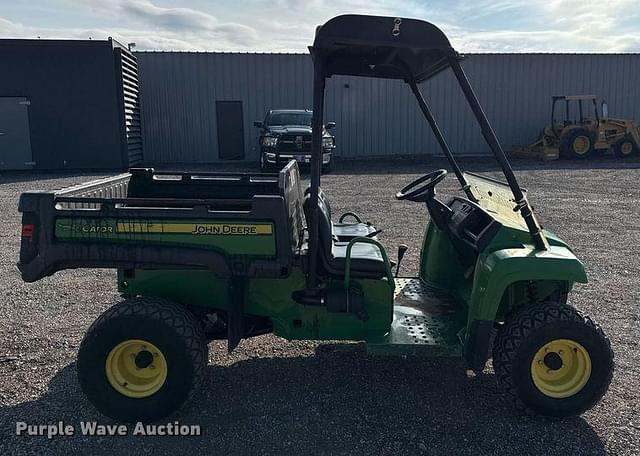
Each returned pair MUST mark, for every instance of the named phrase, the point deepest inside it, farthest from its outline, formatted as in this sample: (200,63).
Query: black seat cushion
(365,258)
(347,231)
(341,232)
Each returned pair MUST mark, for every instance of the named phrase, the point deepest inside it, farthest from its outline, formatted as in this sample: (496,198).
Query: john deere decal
(196,228)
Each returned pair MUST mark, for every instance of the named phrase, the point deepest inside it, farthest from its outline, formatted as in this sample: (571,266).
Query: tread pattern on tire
(617,147)
(519,326)
(174,315)
(566,143)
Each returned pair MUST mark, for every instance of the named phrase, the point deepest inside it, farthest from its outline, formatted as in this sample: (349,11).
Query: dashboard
(471,224)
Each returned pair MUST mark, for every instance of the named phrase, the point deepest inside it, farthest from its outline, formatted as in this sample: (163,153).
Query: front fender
(494,273)
(497,270)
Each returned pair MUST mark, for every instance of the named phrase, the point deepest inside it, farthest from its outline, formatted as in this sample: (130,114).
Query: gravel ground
(277,397)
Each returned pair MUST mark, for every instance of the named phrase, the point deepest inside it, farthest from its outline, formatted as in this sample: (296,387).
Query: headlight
(327,142)
(269,141)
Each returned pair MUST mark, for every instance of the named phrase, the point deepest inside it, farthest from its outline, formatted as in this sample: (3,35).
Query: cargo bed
(240,224)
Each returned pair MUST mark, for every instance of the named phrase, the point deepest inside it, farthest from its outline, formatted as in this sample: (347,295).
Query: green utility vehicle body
(209,255)
(254,263)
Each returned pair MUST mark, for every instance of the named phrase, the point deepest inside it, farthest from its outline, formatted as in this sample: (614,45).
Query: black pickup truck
(285,134)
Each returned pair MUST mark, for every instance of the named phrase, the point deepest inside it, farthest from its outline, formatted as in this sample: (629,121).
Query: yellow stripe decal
(225,229)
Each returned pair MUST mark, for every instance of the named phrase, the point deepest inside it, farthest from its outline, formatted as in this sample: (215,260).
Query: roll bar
(395,48)
(567,116)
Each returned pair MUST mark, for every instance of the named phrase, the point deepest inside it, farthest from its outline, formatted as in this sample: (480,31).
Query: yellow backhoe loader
(580,138)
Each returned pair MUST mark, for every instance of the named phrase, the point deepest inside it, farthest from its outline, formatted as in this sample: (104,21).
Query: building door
(230,130)
(15,141)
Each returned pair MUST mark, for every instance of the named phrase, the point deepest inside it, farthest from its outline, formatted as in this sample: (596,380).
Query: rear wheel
(552,360)
(625,148)
(142,359)
(577,143)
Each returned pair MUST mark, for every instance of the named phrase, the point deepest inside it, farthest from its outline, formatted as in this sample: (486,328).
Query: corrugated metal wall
(132,125)
(76,118)
(374,117)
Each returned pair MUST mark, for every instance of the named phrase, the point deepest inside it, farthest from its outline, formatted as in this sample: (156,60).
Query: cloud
(545,26)
(169,18)
(289,25)
(187,21)
(150,27)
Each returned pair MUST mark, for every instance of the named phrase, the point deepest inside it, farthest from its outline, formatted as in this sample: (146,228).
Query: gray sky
(288,25)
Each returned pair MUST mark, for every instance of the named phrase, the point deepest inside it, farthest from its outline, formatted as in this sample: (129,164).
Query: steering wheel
(425,187)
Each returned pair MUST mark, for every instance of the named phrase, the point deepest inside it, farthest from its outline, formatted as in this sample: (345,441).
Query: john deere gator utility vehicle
(203,256)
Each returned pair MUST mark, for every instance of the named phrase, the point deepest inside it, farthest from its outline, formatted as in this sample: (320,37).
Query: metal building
(68,105)
(187,97)
(193,102)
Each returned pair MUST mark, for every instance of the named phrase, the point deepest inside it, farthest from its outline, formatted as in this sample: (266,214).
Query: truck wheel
(326,169)
(141,359)
(264,167)
(552,360)
(577,143)
(625,148)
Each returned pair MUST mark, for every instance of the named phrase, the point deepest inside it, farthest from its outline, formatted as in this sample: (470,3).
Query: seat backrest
(325,230)
(321,196)
(325,200)
(290,189)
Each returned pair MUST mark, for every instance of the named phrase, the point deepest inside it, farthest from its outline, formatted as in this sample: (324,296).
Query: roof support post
(553,115)
(426,111)
(316,166)
(539,240)
(580,109)
(595,110)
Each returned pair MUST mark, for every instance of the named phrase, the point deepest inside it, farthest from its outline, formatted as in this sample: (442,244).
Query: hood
(293,129)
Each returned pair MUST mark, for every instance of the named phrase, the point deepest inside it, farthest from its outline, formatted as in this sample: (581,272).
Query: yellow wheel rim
(626,148)
(561,368)
(581,145)
(136,368)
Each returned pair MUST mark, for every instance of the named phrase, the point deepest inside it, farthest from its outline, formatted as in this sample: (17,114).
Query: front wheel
(264,166)
(142,359)
(552,360)
(327,168)
(625,148)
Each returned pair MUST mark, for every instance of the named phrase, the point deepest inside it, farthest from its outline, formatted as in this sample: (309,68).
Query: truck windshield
(289,118)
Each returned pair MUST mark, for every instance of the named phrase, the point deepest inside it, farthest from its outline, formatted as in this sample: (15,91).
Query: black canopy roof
(382,47)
